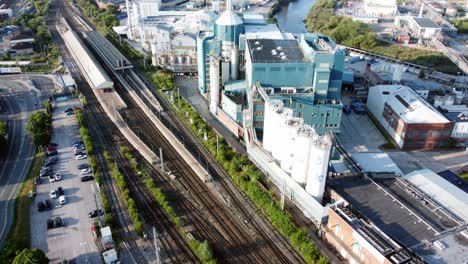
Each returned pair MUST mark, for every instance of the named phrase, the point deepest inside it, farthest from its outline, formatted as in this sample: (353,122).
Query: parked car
(62,199)
(38,180)
(53,194)
(70,113)
(40,206)
(51,178)
(79,153)
(50,223)
(45,174)
(51,153)
(85,171)
(79,148)
(53,144)
(58,176)
(51,148)
(346,109)
(83,166)
(60,191)
(47,204)
(95,213)
(360,110)
(81,157)
(46,169)
(50,163)
(76,143)
(58,222)
(87,178)
(68,110)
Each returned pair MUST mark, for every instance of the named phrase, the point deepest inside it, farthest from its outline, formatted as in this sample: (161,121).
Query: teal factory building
(243,55)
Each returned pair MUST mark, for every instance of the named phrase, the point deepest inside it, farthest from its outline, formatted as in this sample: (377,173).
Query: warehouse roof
(425,22)
(441,190)
(410,106)
(376,162)
(275,51)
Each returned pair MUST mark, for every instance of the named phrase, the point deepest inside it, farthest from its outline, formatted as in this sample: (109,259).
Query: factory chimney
(421,10)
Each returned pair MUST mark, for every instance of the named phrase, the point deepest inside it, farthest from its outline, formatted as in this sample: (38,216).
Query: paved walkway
(188,89)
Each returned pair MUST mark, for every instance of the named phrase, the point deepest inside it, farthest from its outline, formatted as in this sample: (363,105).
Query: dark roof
(425,22)
(454,179)
(286,50)
(22,45)
(22,34)
(456,116)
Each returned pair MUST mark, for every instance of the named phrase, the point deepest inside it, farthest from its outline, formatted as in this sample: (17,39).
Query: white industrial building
(420,27)
(459,115)
(381,8)
(301,152)
(446,194)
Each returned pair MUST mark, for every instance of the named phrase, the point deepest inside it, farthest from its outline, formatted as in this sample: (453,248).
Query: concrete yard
(74,241)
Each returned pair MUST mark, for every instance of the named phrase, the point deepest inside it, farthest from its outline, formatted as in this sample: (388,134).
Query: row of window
(428,133)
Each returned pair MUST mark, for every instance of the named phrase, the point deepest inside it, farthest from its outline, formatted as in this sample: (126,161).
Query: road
(15,164)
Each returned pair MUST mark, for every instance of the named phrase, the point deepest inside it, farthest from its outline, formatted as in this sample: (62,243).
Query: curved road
(15,164)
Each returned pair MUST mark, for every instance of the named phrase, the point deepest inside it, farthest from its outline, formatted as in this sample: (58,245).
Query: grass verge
(19,236)
(464,175)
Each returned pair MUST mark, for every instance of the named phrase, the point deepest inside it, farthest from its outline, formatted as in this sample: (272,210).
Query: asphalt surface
(74,241)
(14,165)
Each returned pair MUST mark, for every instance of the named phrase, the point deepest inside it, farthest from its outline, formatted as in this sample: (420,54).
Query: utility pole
(161,159)
(156,246)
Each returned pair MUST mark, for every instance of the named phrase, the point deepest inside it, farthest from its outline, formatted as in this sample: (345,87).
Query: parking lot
(358,133)
(75,240)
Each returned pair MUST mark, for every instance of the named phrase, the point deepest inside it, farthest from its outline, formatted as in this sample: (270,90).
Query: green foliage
(40,127)
(461,25)
(48,107)
(28,256)
(84,132)
(358,35)
(3,135)
(131,205)
(163,80)
(421,74)
(464,175)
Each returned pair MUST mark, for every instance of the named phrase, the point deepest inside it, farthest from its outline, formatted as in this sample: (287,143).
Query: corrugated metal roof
(376,162)
(441,190)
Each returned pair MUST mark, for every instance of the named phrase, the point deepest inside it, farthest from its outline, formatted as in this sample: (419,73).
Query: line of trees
(40,127)
(3,135)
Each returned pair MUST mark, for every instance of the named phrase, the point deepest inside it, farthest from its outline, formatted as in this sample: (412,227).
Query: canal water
(290,18)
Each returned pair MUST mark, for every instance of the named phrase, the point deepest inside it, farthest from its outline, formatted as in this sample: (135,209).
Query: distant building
(361,241)
(420,27)
(459,115)
(411,121)
(382,8)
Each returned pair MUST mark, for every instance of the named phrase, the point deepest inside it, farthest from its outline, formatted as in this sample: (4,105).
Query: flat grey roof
(391,209)
(425,22)
(275,51)
(108,52)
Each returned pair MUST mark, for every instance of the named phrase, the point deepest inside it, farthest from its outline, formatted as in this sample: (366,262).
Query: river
(290,18)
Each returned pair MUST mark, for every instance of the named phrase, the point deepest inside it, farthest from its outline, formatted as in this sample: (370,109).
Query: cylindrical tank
(180,60)
(318,167)
(171,60)
(214,85)
(300,165)
(268,126)
(234,63)
(153,48)
(287,153)
(163,59)
(188,60)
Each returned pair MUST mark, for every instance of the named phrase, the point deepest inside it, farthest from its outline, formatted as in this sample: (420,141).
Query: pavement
(75,240)
(21,100)
(188,89)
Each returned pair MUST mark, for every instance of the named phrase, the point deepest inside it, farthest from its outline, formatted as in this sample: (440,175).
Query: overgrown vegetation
(31,256)
(464,175)
(40,127)
(131,205)
(461,25)
(247,177)
(344,30)
(20,236)
(201,249)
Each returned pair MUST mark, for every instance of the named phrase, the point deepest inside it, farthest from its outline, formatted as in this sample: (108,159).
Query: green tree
(28,256)
(205,251)
(163,80)
(40,127)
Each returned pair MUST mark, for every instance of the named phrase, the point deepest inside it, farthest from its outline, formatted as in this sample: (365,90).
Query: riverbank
(344,31)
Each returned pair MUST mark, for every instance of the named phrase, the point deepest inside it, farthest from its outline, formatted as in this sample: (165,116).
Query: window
(260,69)
(289,69)
(385,93)
(275,69)
(337,229)
(446,132)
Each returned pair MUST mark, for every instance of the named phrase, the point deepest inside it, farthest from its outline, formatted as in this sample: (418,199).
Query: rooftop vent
(282,54)
(257,42)
(284,57)
(279,48)
(259,48)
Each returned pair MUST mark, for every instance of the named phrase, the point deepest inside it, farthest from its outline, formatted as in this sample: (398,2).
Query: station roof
(107,51)
(97,77)
(441,190)
(411,107)
(275,51)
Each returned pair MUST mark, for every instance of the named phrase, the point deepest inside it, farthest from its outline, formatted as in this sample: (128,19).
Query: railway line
(252,241)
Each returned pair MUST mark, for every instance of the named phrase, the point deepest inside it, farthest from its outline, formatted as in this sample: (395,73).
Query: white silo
(301,157)
(318,166)
(214,84)
(234,63)
(287,149)
(269,125)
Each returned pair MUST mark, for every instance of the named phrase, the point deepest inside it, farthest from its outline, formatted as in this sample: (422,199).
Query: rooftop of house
(425,22)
